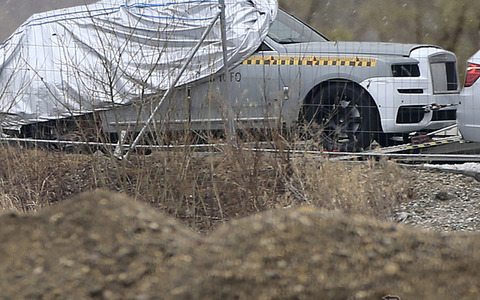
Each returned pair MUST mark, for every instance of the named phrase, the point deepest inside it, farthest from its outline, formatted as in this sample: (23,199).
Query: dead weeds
(203,189)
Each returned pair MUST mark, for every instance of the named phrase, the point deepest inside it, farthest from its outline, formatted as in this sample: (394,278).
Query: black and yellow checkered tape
(431,144)
(311,61)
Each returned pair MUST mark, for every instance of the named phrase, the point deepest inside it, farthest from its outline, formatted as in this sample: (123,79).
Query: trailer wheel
(345,114)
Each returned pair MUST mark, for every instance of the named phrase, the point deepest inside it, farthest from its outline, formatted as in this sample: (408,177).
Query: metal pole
(231,131)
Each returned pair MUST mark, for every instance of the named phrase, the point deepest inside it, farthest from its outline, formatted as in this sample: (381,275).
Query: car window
(288,30)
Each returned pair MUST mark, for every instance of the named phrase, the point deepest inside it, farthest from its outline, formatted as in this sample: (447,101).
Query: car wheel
(346,117)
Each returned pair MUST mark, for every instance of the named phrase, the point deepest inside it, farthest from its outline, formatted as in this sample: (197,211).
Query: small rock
(443,196)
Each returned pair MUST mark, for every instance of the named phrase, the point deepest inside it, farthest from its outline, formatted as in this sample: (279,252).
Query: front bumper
(407,105)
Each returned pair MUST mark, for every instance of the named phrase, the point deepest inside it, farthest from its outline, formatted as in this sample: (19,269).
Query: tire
(345,115)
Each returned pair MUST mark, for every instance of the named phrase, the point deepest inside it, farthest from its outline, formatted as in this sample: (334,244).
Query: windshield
(288,30)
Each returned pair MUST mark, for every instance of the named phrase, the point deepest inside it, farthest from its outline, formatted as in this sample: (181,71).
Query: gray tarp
(72,61)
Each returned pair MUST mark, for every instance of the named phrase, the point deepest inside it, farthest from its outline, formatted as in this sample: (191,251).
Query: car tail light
(473,73)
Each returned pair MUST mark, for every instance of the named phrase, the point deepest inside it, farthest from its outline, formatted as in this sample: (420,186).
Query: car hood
(354,48)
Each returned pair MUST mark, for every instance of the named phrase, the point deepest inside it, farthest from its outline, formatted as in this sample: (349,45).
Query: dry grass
(365,188)
(202,189)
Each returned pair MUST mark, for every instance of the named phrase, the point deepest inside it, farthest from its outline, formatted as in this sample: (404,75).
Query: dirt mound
(309,254)
(97,245)
(105,246)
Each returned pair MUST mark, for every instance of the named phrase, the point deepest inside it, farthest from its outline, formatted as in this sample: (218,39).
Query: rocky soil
(102,245)
(443,200)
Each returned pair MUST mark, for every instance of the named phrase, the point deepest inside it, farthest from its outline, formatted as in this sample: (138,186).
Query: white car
(468,113)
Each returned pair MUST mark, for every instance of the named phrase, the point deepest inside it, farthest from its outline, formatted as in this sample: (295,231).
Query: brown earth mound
(305,253)
(105,246)
(97,245)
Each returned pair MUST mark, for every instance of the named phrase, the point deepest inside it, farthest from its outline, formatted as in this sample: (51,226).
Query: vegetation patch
(202,189)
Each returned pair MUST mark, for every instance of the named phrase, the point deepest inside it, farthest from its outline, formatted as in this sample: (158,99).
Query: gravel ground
(445,198)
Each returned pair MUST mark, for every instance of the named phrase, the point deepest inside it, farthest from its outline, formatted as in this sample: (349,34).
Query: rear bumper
(468,114)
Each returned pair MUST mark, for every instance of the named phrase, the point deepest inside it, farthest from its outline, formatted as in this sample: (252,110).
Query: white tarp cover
(72,61)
